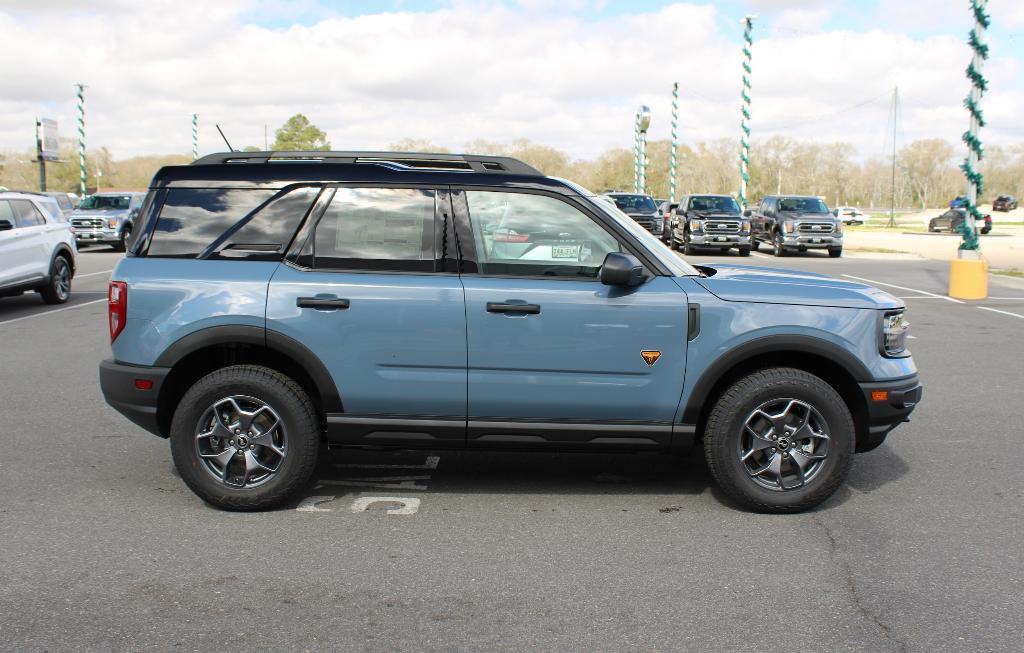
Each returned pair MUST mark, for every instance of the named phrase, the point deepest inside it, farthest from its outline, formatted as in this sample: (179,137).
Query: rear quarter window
(191,219)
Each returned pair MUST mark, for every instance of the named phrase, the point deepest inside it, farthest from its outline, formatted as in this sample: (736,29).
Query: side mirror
(747,213)
(620,269)
(6,225)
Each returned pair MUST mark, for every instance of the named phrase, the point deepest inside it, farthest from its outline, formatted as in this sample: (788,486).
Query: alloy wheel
(241,441)
(784,444)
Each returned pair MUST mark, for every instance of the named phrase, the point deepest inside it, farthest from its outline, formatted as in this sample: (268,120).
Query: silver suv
(37,249)
(107,218)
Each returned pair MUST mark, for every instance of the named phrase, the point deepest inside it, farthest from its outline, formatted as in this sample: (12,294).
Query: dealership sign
(50,142)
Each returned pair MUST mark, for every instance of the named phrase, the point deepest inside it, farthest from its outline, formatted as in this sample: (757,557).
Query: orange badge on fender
(650,357)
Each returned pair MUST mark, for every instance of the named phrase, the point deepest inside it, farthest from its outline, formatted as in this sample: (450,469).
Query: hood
(716,215)
(740,283)
(800,215)
(99,213)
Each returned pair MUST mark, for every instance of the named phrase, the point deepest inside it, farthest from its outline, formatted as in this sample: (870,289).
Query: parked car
(958,202)
(64,204)
(794,222)
(850,215)
(641,208)
(667,212)
(264,309)
(953,219)
(37,249)
(107,218)
(1004,203)
(710,222)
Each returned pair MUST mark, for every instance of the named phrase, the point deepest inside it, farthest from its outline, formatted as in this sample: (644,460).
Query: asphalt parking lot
(104,548)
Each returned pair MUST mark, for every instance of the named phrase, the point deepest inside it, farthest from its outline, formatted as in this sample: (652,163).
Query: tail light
(117,308)
(510,237)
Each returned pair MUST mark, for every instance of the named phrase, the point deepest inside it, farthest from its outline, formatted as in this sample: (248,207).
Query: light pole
(748,42)
(968,273)
(674,145)
(643,124)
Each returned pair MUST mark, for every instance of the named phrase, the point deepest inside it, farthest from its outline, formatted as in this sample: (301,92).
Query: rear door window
(26,214)
(265,236)
(191,219)
(7,213)
(389,229)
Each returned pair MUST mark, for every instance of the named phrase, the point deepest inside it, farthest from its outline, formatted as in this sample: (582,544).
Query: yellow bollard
(968,278)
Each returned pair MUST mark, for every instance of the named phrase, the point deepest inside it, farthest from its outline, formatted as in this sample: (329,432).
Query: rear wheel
(245,438)
(779,440)
(58,289)
(835,252)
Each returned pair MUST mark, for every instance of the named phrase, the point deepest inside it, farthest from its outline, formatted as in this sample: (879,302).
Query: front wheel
(778,249)
(835,252)
(985,230)
(755,244)
(744,251)
(687,248)
(779,440)
(122,244)
(245,438)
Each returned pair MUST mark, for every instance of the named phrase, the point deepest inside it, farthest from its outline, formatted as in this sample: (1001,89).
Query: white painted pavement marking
(760,255)
(892,285)
(921,297)
(409,504)
(93,274)
(311,504)
(996,310)
(66,308)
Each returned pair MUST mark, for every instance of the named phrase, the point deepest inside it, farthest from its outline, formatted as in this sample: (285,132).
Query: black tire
(835,252)
(726,425)
(122,244)
(297,415)
(58,288)
(778,249)
(755,244)
(687,248)
(931,227)
(744,251)
(673,244)
(985,230)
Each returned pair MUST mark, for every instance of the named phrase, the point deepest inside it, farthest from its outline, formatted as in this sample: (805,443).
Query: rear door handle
(323,303)
(511,307)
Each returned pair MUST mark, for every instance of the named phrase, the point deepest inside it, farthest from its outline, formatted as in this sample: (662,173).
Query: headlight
(112,223)
(745,226)
(895,330)
(839,226)
(789,225)
(657,224)
(695,225)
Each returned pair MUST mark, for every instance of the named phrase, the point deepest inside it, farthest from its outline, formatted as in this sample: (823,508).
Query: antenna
(225,138)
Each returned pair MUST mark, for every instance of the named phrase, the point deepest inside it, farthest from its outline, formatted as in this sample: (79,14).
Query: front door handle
(323,303)
(512,307)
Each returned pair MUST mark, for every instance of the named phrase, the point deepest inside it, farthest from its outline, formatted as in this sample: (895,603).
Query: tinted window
(26,214)
(105,202)
(634,203)
(802,205)
(713,203)
(377,229)
(7,213)
(192,218)
(536,235)
(265,235)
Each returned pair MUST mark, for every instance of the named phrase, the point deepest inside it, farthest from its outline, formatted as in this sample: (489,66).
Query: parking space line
(996,310)
(892,285)
(760,255)
(66,308)
(93,274)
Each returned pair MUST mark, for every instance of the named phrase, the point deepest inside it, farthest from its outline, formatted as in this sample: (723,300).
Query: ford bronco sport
(273,302)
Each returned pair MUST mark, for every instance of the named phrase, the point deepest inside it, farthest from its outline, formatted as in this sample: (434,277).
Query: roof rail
(397,160)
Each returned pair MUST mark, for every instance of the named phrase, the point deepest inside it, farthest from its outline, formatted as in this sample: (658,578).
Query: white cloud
(473,70)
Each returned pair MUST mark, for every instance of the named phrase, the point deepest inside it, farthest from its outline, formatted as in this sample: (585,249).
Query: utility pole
(81,136)
(39,156)
(674,145)
(748,42)
(895,119)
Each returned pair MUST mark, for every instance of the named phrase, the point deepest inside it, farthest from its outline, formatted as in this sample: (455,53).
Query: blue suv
(272,303)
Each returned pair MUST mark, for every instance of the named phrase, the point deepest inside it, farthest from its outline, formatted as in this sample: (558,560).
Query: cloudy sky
(568,73)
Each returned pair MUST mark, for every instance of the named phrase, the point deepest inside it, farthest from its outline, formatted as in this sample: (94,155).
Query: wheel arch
(62,249)
(206,350)
(830,362)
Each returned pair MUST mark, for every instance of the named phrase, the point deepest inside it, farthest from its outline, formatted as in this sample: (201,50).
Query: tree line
(926,172)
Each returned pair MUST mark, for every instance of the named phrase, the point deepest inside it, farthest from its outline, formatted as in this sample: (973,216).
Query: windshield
(678,266)
(634,203)
(105,202)
(712,203)
(802,205)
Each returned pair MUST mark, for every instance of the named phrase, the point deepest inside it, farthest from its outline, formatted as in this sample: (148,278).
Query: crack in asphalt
(851,586)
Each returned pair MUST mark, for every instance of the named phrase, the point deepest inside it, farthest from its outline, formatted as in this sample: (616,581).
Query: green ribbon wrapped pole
(748,42)
(975,152)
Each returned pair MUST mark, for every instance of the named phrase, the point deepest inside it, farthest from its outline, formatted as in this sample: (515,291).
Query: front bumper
(889,405)
(812,241)
(720,240)
(118,384)
(104,236)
